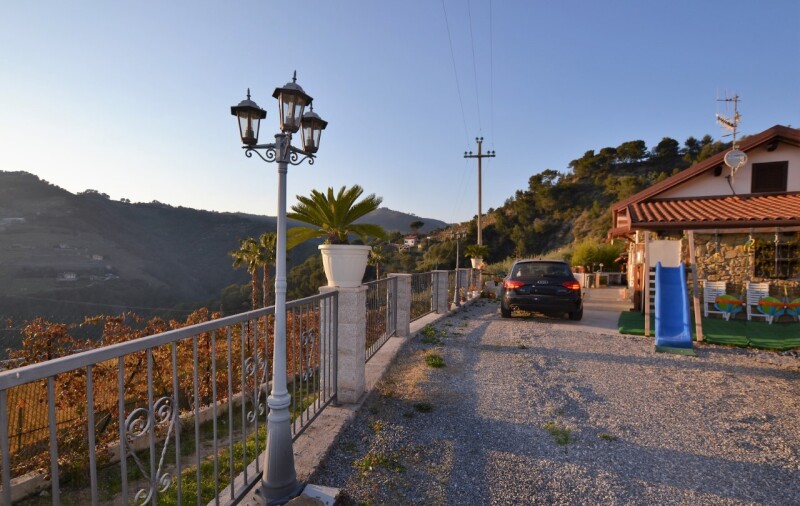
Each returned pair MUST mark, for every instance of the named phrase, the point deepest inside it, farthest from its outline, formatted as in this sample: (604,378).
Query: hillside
(559,209)
(64,255)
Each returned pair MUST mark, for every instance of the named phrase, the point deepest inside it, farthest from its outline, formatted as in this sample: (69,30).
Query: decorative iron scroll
(293,156)
(137,425)
(256,368)
(308,337)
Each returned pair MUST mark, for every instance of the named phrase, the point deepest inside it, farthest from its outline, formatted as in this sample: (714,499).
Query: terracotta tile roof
(712,212)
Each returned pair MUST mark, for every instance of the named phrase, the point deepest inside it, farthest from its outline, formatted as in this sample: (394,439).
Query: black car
(544,286)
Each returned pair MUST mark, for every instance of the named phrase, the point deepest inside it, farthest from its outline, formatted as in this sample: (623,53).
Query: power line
(491,74)
(474,68)
(455,73)
(461,190)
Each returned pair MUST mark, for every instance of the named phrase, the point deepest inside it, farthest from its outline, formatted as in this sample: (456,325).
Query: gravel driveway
(525,413)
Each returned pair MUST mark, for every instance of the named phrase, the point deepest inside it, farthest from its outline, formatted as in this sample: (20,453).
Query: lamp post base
(278,497)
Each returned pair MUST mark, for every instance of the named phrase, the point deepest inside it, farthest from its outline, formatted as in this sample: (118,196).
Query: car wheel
(576,315)
(505,312)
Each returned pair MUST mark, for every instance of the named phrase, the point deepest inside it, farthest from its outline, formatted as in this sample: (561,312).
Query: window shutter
(769,177)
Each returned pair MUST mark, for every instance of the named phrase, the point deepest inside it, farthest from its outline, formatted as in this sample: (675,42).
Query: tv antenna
(731,123)
(735,158)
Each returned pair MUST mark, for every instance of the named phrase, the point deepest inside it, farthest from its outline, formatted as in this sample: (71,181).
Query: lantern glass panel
(310,138)
(248,128)
(291,111)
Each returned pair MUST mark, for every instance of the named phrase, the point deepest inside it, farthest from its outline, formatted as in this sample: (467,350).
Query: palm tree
(476,251)
(267,251)
(248,256)
(377,257)
(334,216)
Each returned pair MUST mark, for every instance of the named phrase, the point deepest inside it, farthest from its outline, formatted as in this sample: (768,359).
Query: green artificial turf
(784,335)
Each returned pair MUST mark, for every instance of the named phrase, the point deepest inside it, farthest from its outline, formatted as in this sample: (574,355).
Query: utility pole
(480,156)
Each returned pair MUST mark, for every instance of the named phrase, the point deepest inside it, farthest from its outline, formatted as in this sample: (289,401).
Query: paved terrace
(541,411)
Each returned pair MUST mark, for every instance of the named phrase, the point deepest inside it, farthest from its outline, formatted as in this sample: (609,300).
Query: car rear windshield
(540,270)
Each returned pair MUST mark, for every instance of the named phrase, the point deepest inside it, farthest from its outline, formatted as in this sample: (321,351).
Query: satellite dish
(735,159)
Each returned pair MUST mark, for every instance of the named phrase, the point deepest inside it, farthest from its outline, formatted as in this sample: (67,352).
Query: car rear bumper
(542,304)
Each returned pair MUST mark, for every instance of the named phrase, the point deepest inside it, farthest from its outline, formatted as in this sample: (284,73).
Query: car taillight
(572,285)
(513,285)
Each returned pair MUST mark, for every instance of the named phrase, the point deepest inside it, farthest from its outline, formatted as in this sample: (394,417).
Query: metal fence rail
(381,314)
(206,382)
(423,296)
(475,281)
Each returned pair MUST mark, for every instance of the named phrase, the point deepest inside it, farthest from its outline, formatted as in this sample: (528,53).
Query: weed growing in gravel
(373,460)
(607,437)
(434,360)
(423,407)
(430,335)
(561,435)
(428,331)
(377,426)
(350,447)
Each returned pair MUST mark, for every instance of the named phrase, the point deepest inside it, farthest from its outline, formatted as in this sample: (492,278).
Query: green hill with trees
(562,208)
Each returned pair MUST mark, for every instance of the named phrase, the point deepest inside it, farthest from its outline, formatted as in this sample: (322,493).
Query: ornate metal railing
(135,405)
(381,314)
(422,295)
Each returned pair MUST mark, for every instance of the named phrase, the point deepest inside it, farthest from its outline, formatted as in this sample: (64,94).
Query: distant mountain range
(64,255)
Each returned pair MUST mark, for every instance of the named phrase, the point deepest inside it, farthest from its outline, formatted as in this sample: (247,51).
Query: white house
(410,241)
(745,223)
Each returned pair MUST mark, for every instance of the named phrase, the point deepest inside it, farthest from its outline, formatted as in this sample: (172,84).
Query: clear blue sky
(133,98)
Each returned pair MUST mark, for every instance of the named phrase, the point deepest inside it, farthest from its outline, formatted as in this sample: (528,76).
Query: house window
(769,177)
(777,260)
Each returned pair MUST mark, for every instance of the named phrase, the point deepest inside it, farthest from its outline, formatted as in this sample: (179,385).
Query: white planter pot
(476,262)
(344,264)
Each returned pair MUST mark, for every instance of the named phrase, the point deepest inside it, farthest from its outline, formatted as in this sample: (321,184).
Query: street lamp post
(279,479)
(456,297)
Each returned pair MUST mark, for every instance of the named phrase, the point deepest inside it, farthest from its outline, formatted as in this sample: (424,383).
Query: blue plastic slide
(672,308)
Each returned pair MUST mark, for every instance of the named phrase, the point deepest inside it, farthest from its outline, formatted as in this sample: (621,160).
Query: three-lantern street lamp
(279,479)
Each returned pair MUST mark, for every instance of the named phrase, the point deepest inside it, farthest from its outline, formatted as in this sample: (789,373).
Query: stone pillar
(352,329)
(403,304)
(440,287)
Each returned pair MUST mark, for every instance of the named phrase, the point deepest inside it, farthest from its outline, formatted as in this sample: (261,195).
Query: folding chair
(756,292)
(712,290)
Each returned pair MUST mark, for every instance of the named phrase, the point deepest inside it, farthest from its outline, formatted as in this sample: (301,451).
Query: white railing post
(403,304)
(440,286)
(352,316)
